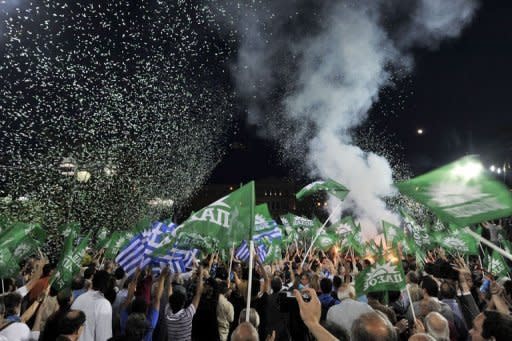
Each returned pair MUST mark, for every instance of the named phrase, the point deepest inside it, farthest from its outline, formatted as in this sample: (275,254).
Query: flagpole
(488,243)
(410,303)
(320,230)
(231,261)
(249,282)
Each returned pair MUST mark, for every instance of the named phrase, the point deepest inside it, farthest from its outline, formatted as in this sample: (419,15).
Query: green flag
(70,229)
(8,265)
(354,240)
(69,264)
(263,221)
(25,248)
(274,250)
(381,276)
(392,233)
(114,244)
(461,193)
(344,227)
(326,240)
(496,265)
(15,234)
(419,233)
(102,237)
(226,221)
(457,242)
(329,186)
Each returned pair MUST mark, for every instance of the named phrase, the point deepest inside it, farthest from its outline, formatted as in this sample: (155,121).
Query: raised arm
(131,290)
(160,288)
(199,288)
(310,313)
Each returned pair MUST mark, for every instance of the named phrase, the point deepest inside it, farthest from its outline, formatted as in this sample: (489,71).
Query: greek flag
(139,251)
(242,252)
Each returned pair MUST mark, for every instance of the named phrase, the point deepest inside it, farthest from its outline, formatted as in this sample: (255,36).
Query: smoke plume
(311,70)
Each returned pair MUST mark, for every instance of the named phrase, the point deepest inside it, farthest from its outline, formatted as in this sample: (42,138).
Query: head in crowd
(254,317)
(276,284)
(315,282)
(491,324)
(139,306)
(78,283)
(336,330)
(12,304)
(394,296)
(337,282)
(245,332)
(346,291)
(447,291)
(177,300)
(325,285)
(72,324)
(89,272)
(101,281)
(373,326)
(64,299)
(8,285)
(119,273)
(416,293)
(305,280)
(428,306)
(437,326)
(136,327)
(412,277)
(430,287)
(421,337)
(47,270)
(377,296)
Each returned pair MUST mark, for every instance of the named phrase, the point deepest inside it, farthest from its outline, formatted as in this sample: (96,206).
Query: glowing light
(492,168)
(498,171)
(83,176)
(420,131)
(468,171)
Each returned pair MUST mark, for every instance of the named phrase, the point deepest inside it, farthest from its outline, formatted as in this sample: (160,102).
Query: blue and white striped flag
(139,251)
(275,232)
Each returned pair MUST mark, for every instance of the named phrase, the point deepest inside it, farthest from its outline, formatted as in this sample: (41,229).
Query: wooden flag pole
(488,243)
(320,230)
(249,282)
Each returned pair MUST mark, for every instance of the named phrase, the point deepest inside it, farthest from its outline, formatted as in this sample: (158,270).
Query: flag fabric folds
(329,186)
(226,221)
(141,251)
(381,276)
(461,193)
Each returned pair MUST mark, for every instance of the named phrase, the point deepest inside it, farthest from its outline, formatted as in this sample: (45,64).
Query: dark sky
(459,94)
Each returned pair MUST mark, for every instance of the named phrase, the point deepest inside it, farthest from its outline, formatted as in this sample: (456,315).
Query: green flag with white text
(226,221)
(381,276)
(419,233)
(329,186)
(457,241)
(461,193)
(392,233)
(344,226)
(496,265)
(69,264)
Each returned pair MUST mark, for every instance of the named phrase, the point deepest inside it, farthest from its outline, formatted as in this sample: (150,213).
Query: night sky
(459,94)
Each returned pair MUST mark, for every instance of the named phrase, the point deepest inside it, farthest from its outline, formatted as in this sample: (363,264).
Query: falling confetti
(128,91)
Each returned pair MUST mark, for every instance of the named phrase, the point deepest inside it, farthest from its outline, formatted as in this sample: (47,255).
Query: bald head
(421,337)
(245,332)
(373,326)
(437,326)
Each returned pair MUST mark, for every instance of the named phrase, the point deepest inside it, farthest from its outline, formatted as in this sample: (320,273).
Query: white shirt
(17,331)
(345,313)
(98,316)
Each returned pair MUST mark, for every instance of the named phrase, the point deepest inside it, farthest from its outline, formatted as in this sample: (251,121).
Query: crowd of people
(291,299)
